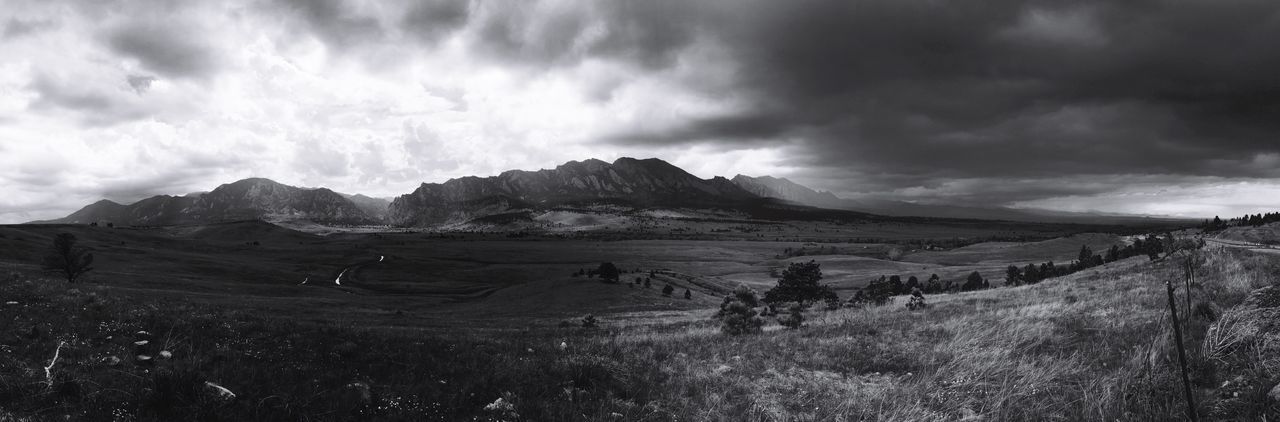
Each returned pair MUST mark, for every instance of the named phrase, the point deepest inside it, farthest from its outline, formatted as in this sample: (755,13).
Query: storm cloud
(1031,103)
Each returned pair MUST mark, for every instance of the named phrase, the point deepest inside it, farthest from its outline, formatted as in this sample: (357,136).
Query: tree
(688,294)
(608,272)
(912,282)
(1113,254)
(1085,258)
(1012,276)
(895,283)
(934,285)
(667,290)
(799,283)
(1031,274)
(65,257)
(877,292)
(973,282)
(647,282)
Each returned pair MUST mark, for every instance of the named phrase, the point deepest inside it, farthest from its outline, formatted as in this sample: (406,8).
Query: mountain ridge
(627,182)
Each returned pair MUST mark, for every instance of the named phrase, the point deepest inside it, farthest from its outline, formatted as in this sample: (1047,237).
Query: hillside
(1092,345)
(254,198)
(1268,234)
(627,181)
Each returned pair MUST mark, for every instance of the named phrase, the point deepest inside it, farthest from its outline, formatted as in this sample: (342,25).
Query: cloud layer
(1077,105)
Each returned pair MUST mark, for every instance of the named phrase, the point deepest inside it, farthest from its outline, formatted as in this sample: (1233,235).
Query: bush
(794,317)
(667,290)
(608,272)
(589,321)
(833,303)
(917,301)
(738,314)
(688,294)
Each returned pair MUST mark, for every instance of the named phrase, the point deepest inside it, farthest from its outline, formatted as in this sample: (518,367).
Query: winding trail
(338,280)
(1255,247)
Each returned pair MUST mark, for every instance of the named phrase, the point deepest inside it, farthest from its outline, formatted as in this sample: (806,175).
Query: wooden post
(1191,274)
(1182,355)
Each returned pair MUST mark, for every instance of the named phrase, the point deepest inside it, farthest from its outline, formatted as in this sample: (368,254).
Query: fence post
(1182,355)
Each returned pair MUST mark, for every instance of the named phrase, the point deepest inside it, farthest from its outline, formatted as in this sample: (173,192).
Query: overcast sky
(1141,106)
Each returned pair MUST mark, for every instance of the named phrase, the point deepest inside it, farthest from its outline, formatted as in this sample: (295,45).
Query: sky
(1151,107)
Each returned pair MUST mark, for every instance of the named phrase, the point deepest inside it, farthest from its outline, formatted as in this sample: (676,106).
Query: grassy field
(1095,345)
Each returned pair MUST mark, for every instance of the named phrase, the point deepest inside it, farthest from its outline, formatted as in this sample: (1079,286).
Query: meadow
(1094,345)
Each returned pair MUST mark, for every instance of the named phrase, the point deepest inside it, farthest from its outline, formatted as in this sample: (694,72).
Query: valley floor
(1095,345)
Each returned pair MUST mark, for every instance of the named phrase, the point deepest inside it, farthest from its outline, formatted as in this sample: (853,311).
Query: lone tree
(608,272)
(67,258)
(799,283)
(688,294)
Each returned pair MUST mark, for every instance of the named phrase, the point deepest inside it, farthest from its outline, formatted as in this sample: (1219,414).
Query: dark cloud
(15,27)
(168,49)
(431,21)
(92,107)
(646,33)
(926,92)
(335,22)
(140,83)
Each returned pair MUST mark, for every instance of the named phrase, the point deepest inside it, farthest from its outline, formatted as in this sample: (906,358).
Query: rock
(218,393)
(111,360)
(721,369)
(143,358)
(11,303)
(1274,394)
(164,354)
(140,343)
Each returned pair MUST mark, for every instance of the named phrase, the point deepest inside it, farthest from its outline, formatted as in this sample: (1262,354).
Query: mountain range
(625,184)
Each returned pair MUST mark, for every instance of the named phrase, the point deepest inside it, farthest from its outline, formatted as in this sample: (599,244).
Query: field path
(1255,247)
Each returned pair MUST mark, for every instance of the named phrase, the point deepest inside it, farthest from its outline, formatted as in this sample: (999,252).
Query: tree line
(1246,220)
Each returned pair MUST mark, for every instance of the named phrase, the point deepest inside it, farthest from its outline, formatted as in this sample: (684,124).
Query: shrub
(589,321)
(608,272)
(799,283)
(667,290)
(917,301)
(833,303)
(688,294)
(738,314)
(794,317)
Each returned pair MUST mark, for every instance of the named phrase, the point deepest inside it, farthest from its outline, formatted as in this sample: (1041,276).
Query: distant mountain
(373,207)
(626,182)
(248,199)
(781,188)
